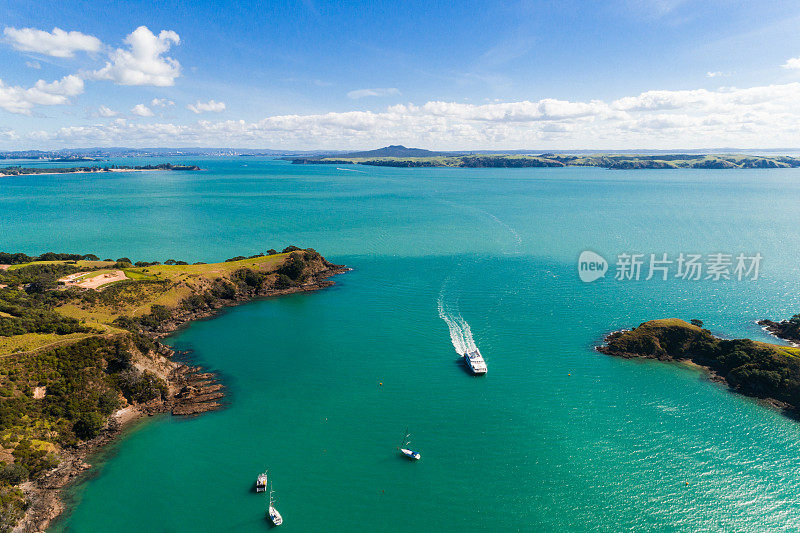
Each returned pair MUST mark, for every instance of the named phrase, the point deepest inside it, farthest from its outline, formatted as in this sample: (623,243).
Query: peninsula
(400,156)
(761,370)
(80,355)
(22,171)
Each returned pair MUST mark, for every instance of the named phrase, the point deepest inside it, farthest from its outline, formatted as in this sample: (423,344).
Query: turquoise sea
(322,386)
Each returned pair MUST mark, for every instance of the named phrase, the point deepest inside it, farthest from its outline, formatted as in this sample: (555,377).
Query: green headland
(80,356)
(761,370)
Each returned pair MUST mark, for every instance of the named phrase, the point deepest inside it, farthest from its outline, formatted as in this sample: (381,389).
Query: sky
(569,74)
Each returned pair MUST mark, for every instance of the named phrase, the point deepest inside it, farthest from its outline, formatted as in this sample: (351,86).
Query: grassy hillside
(70,356)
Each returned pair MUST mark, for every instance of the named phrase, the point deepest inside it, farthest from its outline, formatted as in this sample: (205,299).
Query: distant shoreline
(8,172)
(548,160)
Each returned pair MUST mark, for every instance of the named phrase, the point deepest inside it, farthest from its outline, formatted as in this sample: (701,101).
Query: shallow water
(322,386)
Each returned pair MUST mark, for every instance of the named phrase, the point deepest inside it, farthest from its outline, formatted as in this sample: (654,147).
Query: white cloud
(363,93)
(58,43)
(104,111)
(144,63)
(792,63)
(759,117)
(161,102)
(20,100)
(33,64)
(203,107)
(142,110)
(717,74)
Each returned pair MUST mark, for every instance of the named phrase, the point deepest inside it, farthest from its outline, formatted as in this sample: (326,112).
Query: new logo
(591,266)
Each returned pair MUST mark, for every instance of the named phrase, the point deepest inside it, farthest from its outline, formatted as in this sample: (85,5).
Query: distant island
(24,171)
(80,355)
(400,156)
(761,370)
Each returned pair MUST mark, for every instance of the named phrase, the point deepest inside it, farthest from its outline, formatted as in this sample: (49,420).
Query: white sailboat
(272,513)
(405,450)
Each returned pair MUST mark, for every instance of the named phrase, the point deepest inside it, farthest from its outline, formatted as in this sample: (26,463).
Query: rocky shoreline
(766,372)
(785,329)
(192,391)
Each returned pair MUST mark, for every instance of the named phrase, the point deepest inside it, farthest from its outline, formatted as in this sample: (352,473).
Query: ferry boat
(261,482)
(405,450)
(273,514)
(475,362)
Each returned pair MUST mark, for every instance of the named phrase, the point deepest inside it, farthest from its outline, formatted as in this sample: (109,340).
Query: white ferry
(475,362)
(261,482)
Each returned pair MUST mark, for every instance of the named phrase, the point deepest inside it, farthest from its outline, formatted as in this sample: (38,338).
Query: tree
(697,322)
(88,425)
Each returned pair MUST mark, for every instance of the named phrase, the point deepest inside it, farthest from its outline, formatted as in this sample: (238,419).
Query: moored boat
(272,513)
(406,450)
(261,482)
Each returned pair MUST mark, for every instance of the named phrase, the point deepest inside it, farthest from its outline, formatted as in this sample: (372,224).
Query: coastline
(101,171)
(675,341)
(192,391)
(44,494)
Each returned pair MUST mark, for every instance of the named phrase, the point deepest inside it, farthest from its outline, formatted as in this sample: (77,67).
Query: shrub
(13,474)
(283,282)
(88,425)
(141,387)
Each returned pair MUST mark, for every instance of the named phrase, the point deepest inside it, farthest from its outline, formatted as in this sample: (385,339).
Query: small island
(24,171)
(400,156)
(80,355)
(769,372)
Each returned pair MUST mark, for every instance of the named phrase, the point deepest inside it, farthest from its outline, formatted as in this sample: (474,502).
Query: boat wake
(460,332)
(517,244)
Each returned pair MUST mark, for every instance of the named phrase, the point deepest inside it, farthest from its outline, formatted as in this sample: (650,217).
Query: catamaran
(405,450)
(261,482)
(475,362)
(273,514)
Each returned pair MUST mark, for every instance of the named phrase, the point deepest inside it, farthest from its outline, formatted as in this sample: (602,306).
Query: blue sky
(309,74)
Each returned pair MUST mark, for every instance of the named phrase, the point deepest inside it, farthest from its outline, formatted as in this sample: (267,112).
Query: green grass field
(165,285)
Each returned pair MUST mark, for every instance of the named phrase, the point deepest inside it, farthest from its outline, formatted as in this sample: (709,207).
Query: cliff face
(756,369)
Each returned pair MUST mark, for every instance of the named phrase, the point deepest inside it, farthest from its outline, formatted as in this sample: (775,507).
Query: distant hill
(397,150)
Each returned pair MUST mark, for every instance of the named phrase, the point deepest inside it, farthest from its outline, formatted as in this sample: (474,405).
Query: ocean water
(322,386)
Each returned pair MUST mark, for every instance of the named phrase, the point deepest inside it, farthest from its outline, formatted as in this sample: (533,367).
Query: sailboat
(272,513)
(405,450)
(261,482)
